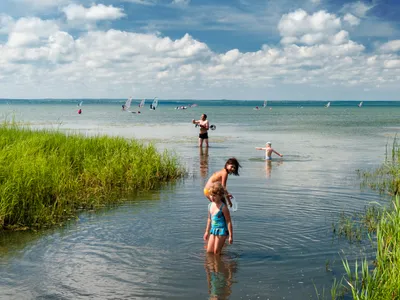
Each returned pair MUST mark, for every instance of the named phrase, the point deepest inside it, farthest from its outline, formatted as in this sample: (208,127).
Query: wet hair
(234,162)
(218,190)
(205,116)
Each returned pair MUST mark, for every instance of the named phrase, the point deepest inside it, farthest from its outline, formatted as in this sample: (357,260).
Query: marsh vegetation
(46,176)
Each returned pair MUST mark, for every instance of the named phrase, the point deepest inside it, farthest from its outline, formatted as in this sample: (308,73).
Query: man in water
(204,126)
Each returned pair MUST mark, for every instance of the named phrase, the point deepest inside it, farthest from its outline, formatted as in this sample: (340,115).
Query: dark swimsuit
(203,136)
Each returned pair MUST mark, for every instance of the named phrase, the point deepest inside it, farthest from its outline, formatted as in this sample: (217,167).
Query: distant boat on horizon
(265,104)
(328,104)
(360,104)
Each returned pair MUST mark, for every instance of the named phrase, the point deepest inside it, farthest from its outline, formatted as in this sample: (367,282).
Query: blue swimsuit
(218,222)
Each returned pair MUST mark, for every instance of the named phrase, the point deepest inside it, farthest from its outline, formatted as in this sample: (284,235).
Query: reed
(378,279)
(45,176)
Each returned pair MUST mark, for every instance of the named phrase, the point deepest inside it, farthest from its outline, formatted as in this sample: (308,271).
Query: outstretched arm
(195,121)
(277,153)
(260,148)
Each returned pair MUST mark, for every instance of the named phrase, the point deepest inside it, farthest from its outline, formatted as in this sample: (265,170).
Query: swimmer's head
(217,190)
(232,166)
(204,117)
(268,143)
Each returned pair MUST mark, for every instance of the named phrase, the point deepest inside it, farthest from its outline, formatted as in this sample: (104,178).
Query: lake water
(151,246)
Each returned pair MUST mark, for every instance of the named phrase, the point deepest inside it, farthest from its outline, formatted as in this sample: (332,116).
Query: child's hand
(205,237)
(230,240)
(281,155)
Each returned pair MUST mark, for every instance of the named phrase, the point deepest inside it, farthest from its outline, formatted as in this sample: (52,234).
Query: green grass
(377,279)
(45,176)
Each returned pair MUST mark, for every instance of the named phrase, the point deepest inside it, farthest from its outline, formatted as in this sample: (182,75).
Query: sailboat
(328,104)
(154,105)
(127,104)
(141,104)
(265,104)
(80,104)
(360,104)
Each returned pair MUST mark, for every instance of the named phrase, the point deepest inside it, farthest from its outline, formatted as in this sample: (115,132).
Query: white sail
(265,103)
(360,104)
(128,103)
(155,103)
(80,103)
(328,104)
(141,104)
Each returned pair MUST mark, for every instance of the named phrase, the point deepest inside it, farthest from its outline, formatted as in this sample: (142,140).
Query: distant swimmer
(79,111)
(268,151)
(204,126)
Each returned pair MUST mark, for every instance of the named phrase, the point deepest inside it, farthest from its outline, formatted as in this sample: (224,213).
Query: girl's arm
(195,122)
(224,179)
(260,148)
(227,216)
(277,153)
(207,232)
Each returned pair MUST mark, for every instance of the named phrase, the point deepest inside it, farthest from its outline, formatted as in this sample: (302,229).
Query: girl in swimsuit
(219,225)
(231,167)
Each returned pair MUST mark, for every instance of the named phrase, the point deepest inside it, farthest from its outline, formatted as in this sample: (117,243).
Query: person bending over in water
(219,225)
(268,151)
(231,167)
(204,126)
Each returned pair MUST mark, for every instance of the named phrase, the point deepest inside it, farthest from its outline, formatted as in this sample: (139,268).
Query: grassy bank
(378,279)
(45,176)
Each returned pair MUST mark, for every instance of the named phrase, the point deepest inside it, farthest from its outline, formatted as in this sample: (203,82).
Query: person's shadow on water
(204,162)
(220,271)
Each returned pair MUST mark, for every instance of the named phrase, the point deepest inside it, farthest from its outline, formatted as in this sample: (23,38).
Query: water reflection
(203,162)
(219,271)
(268,167)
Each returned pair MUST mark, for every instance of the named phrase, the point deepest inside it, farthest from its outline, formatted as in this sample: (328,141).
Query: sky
(200,49)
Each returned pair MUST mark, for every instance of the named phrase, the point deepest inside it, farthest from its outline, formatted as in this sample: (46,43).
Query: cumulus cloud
(314,50)
(100,12)
(351,19)
(28,31)
(358,8)
(392,46)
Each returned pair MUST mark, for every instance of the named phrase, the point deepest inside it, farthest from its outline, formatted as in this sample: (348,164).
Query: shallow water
(151,246)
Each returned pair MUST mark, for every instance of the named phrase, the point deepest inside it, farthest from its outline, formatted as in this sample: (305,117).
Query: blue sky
(200,49)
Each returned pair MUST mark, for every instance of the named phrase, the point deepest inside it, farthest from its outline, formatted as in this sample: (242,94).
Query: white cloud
(358,8)
(180,2)
(6,23)
(315,1)
(98,12)
(351,19)
(392,46)
(28,31)
(392,64)
(314,51)
(307,29)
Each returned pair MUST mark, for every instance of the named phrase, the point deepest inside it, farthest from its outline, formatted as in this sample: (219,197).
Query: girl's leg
(219,243)
(211,242)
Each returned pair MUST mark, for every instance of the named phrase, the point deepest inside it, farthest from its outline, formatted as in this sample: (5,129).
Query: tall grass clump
(386,178)
(381,279)
(45,176)
(378,279)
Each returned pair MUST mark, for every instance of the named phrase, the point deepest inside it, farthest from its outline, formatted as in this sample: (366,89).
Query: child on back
(268,151)
(219,225)
(231,167)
